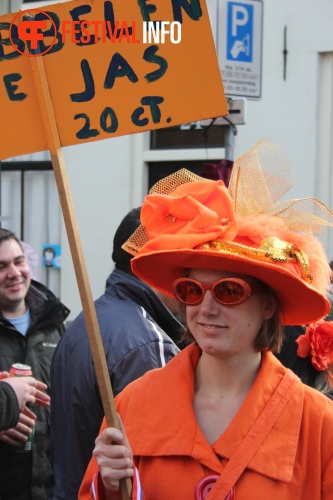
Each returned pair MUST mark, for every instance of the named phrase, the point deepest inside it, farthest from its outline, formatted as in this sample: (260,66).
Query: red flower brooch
(317,342)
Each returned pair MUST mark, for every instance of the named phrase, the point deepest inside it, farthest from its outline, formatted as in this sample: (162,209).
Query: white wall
(100,181)
(287,112)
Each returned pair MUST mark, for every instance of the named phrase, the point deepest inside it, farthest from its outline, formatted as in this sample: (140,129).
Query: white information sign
(239,46)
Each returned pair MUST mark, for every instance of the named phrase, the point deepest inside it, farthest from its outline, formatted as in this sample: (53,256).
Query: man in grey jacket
(138,332)
(31,324)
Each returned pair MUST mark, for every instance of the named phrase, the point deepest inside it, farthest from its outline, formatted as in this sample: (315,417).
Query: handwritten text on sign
(113,68)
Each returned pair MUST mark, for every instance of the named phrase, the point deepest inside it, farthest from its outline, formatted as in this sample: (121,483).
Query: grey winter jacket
(22,475)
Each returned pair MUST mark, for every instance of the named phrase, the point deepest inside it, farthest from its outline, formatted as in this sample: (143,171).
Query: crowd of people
(217,327)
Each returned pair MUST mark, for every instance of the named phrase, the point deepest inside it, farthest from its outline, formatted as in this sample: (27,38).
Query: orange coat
(295,462)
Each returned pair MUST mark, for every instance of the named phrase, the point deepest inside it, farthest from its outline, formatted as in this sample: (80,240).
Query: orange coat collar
(170,428)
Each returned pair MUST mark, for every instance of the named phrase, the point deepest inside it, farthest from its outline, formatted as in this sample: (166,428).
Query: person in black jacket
(15,393)
(137,332)
(305,369)
(31,324)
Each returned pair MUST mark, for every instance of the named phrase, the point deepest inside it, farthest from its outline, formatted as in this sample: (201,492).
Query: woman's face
(225,331)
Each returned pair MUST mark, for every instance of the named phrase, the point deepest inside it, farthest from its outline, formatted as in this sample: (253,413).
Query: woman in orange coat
(224,419)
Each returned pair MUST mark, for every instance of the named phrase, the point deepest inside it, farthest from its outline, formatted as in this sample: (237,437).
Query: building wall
(108,178)
(287,112)
(100,180)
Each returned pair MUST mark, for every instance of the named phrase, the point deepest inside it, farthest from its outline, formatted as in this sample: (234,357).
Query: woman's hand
(114,457)
(28,390)
(22,431)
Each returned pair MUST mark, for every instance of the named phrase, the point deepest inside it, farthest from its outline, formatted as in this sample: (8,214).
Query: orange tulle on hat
(190,222)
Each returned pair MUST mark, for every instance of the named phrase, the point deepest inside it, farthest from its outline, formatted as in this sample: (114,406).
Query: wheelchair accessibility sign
(240,46)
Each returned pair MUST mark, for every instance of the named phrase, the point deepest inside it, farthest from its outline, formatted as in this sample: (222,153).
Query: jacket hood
(43,304)
(122,284)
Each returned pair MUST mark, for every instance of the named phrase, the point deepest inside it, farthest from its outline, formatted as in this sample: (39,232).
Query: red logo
(28,30)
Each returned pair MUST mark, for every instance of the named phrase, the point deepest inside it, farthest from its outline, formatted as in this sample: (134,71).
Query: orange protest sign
(113,68)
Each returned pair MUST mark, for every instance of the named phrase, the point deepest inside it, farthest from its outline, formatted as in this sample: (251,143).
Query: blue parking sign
(239,46)
(239,32)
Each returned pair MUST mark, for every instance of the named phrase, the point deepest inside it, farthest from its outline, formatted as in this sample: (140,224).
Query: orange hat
(191,222)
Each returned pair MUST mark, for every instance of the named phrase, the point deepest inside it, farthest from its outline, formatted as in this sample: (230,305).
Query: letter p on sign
(240,17)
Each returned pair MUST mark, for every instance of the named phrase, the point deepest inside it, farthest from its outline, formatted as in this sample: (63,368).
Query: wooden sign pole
(98,354)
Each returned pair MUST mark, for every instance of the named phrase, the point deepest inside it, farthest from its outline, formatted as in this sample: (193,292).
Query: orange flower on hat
(193,213)
(317,343)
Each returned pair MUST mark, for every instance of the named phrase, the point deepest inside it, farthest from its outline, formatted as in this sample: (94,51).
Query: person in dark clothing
(31,324)
(306,367)
(15,393)
(303,366)
(138,334)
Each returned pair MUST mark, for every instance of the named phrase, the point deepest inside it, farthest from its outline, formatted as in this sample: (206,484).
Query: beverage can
(21,370)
